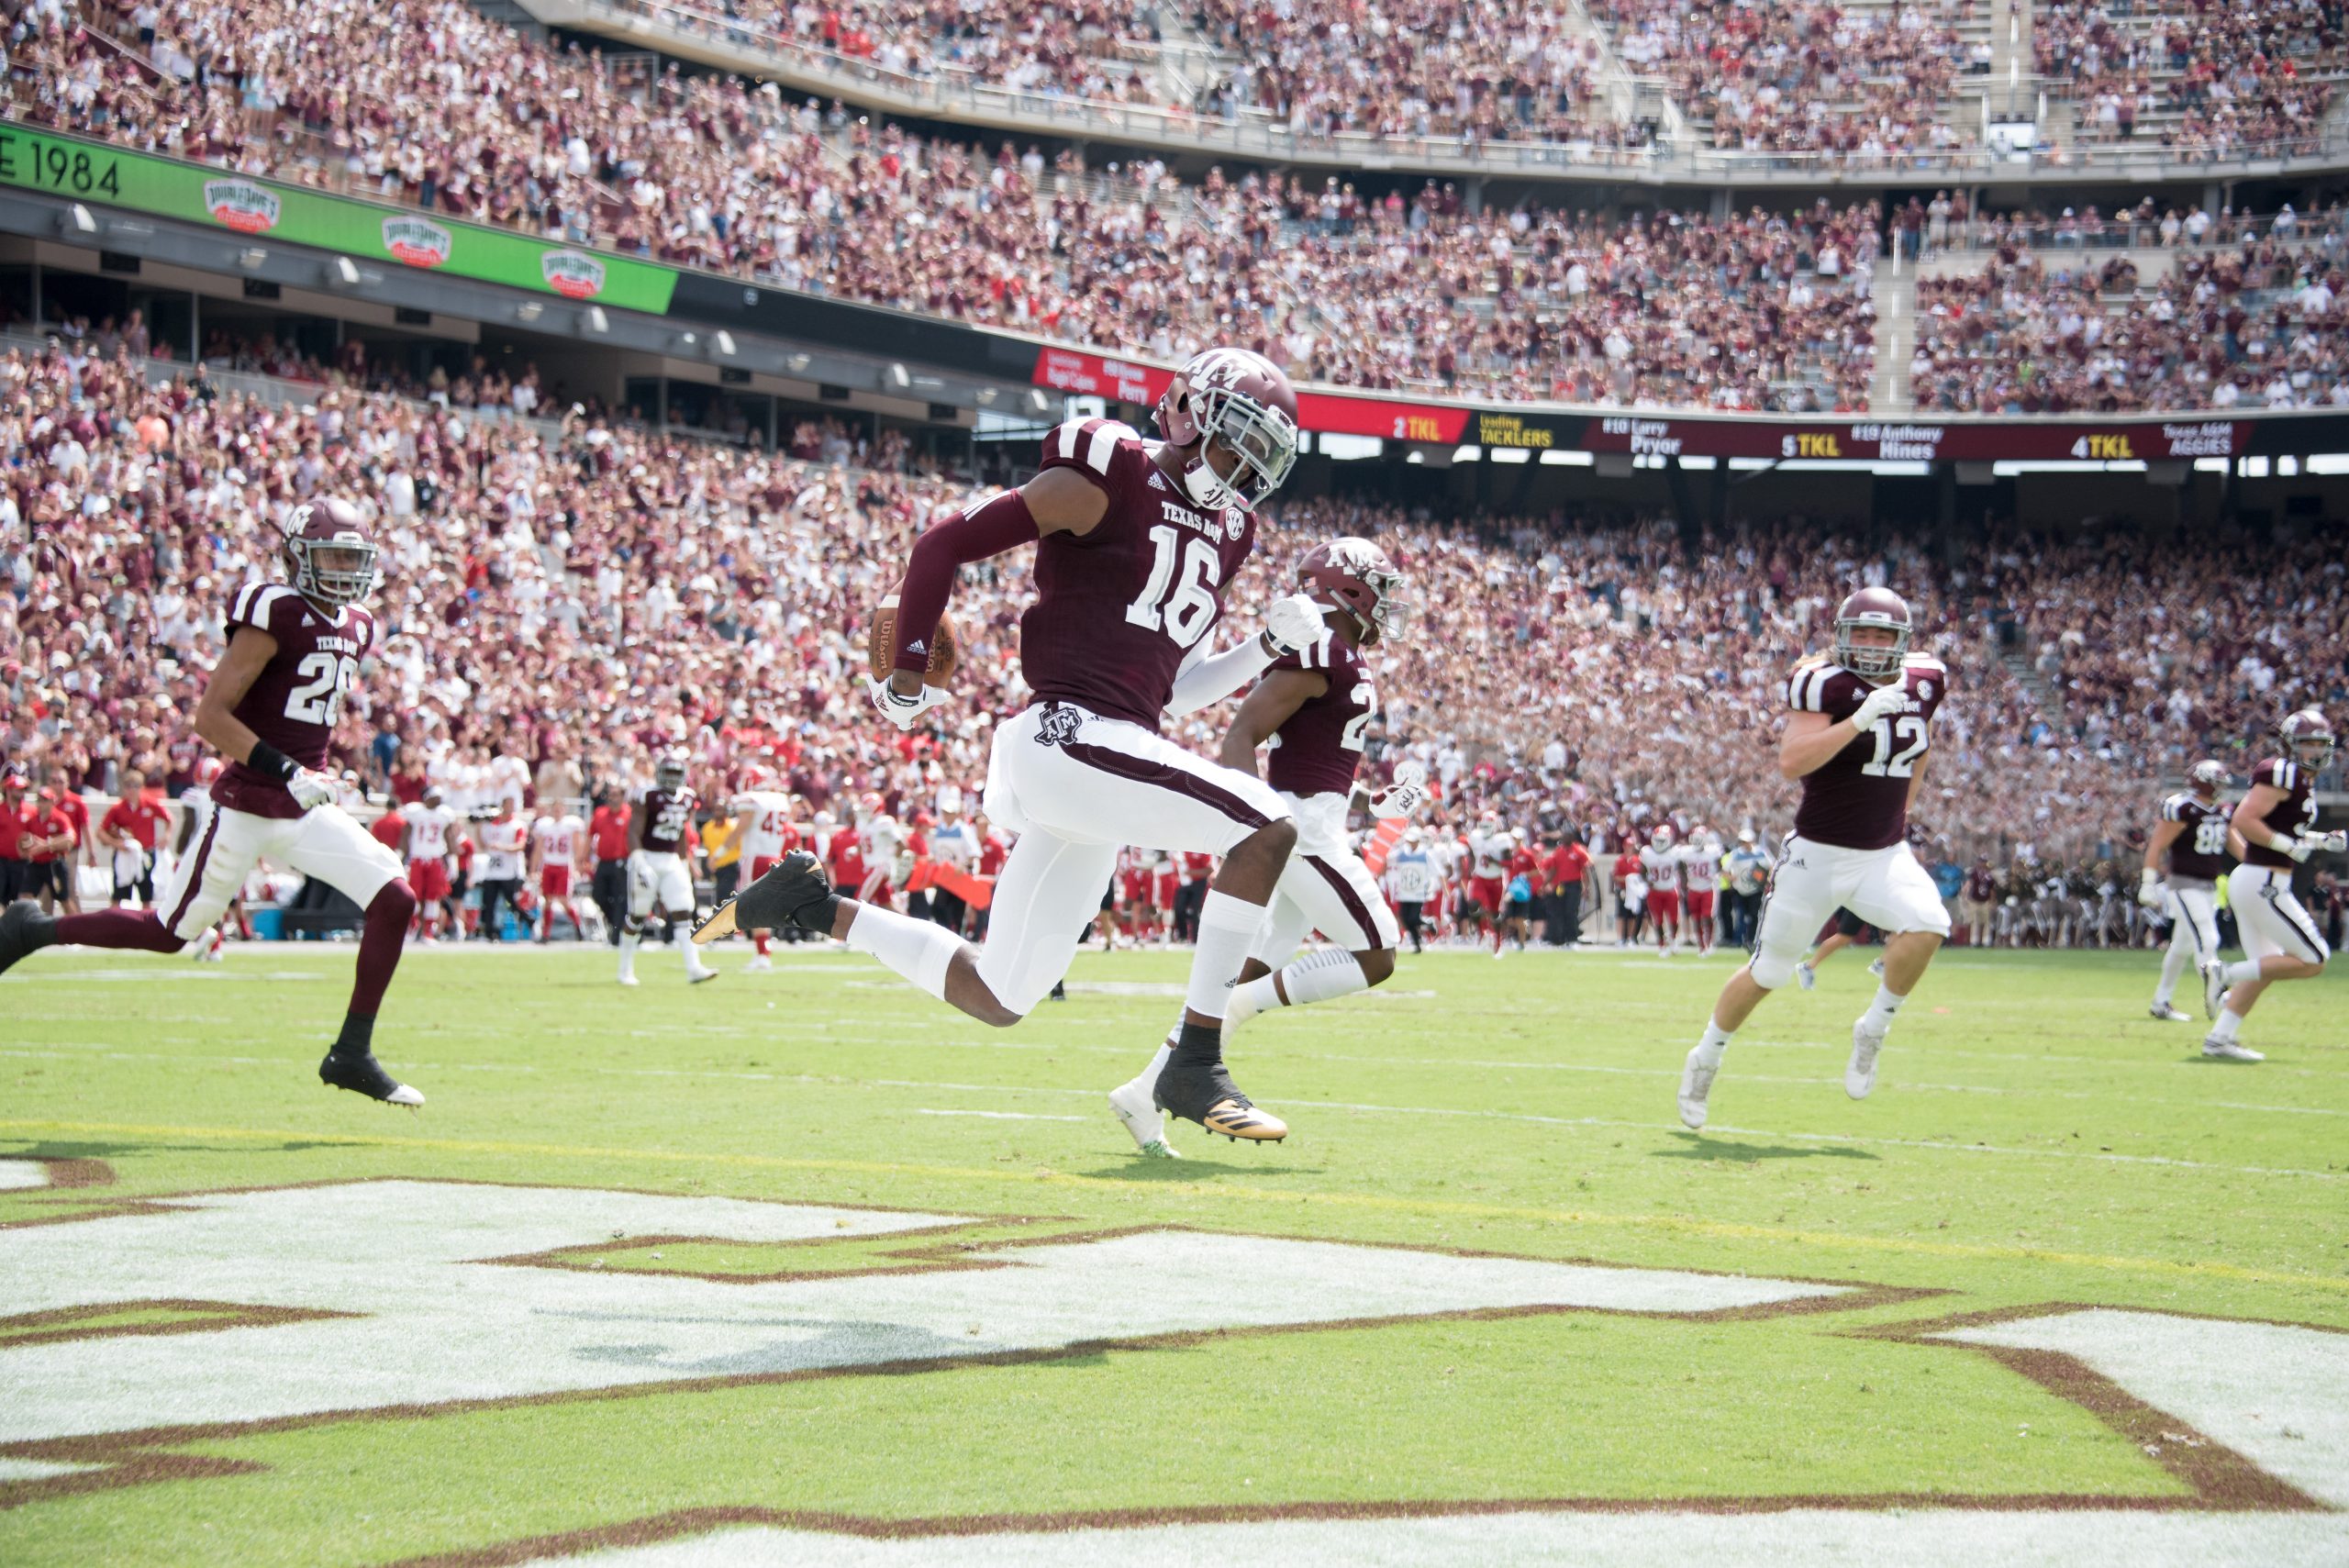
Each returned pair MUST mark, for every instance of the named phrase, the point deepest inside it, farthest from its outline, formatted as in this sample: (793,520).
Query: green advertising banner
(92,170)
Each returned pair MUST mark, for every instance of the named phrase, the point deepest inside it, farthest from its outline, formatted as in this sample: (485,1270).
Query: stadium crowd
(560,602)
(2206,80)
(2260,323)
(1755,311)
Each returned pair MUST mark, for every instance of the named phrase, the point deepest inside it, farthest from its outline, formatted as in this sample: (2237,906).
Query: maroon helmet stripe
(1190,785)
(1356,911)
(195,875)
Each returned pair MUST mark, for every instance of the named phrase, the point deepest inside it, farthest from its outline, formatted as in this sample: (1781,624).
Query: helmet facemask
(333,573)
(1262,440)
(1871,661)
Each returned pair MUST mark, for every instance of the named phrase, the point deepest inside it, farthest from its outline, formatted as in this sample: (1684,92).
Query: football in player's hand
(880,646)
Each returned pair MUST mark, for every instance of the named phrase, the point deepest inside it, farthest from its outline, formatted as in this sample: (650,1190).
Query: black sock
(1198,1045)
(358,1037)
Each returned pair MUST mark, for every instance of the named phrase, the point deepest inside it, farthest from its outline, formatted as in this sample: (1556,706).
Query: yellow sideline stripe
(1033,1178)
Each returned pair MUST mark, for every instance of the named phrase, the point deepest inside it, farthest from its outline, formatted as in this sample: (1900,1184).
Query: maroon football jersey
(1117,609)
(2295,814)
(1858,799)
(1318,747)
(668,817)
(295,700)
(2200,852)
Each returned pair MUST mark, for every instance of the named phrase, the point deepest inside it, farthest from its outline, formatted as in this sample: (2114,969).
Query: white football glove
(2298,849)
(2319,843)
(1292,623)
(1879,703)
(903,712)
(2149,889)
(1405,795)
(310,789)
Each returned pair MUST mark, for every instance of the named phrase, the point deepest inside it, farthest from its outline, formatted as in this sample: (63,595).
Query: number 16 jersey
(1858,799)
(1117,608)
(296,699)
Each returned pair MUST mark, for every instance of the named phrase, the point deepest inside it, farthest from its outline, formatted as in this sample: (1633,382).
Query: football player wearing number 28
(270,708)
(1856,737)
(1135,543)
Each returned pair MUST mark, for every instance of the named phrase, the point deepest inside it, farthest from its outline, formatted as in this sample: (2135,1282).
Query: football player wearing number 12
(1135,542)
(1856,738)
(270,708)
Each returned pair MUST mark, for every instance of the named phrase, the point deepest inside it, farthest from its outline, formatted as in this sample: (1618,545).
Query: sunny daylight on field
(799,1260)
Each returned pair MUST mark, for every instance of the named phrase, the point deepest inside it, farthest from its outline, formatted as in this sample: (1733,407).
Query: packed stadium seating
(2206,80)
(681,589)
(2257,323)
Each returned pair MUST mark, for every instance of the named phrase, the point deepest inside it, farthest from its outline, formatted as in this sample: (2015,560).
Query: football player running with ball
(1313,706)
(1135,542)
(2190,844)
(1856,737)
(270,707)
(2276,820)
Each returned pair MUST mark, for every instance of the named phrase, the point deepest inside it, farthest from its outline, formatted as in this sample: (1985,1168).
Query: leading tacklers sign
(94,172)
(1663,435)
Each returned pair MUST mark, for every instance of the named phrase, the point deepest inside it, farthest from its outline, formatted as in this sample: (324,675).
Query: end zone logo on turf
(571,273)
(241,204)
(417,242)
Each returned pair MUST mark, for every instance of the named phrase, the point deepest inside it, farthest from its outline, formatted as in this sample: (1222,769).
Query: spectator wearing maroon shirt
(1565,868)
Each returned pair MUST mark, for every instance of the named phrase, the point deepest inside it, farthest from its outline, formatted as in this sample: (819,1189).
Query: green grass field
(1060,1341)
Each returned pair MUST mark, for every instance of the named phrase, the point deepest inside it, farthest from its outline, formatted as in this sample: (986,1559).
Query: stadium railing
(730,44)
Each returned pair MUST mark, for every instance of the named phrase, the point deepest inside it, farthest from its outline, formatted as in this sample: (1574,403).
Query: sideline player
(762,829)
(2192,838)
(1700,877)
(432,834)
(1312,707)
(1660,864)
(1135,541)
(662,845)
(2277,822)
(1856,738)
(556,841)
(270,707)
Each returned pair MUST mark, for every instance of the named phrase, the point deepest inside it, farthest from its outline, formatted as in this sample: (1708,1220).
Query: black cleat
(1059,991)
(362,1075)
(793,893)
(24,930)
(1209,1096)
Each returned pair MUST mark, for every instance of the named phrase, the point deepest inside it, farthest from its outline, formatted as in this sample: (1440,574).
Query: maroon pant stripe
(195,872)
(1117,764)
(1356,910)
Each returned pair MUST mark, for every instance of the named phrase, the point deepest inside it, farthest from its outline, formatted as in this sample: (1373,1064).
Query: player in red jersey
(1135,542)
(2276,820)
(2190,844)
(1856,738)
(270,707)
(663,846)
(1312,707)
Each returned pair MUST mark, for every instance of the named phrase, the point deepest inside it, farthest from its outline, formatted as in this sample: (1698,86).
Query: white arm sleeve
(1204,680)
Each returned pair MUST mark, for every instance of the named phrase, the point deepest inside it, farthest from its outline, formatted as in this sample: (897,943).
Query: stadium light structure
(1038,401)
(725,343)
(78,220)
(901,377)
(252,256)
(528,310)
(596,321)
(797,362)
(344,271)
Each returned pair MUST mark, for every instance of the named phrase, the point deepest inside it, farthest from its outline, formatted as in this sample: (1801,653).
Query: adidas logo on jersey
(1157,480)
(917,646)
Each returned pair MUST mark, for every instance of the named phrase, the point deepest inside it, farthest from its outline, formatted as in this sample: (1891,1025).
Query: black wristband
(268,758)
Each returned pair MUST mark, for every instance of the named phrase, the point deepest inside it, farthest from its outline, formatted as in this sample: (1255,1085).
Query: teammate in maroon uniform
(270,707)
(2193,837)
(663,846)
(1135,542)
(2277,820)
(1313,706)
(1856,738)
